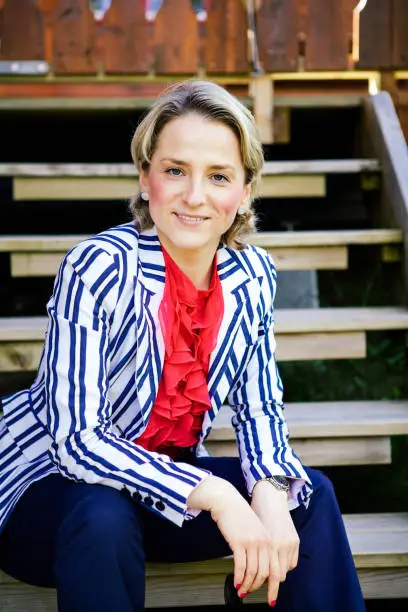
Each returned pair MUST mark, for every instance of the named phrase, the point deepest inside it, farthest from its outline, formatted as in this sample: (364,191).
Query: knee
(101,518)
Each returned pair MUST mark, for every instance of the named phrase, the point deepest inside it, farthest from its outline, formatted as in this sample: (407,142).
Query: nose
(194,194)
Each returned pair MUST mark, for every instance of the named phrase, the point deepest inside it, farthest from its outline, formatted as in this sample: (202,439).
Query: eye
(220,178)
(174,171)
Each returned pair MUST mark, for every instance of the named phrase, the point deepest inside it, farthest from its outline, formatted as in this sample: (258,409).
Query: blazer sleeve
(257,401)
(79,415)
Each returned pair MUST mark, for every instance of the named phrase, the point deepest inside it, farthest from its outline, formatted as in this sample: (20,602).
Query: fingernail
(243,595)
(237,586)
(273,603)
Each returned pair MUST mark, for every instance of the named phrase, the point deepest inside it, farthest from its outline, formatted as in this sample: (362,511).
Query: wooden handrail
(391,150)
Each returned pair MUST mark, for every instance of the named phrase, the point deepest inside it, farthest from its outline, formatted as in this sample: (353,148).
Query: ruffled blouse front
(190,320)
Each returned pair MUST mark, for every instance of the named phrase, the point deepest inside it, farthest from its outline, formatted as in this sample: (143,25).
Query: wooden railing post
(391,148)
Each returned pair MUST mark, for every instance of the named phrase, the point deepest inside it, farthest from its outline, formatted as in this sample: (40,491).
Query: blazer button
(137,496)
(160,506)
(148,501)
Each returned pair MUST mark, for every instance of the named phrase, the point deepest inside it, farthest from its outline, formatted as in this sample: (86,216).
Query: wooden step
(320,250)
(303,334)
(329,433)
(379,543)
(118,181)
(331,420)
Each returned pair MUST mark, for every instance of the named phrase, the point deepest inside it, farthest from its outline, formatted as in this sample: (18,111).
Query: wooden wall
(314,34)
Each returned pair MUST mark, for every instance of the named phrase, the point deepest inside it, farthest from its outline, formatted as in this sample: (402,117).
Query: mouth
(190,219)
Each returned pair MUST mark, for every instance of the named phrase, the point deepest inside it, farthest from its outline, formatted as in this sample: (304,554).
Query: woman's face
(196,184)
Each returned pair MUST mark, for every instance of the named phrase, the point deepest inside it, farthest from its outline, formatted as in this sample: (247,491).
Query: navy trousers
(91,543)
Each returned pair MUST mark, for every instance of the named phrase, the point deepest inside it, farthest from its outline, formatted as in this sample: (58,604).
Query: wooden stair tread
(63,243)
(331,419)
(288,321)
(296,321)
(341,166)
(298,99)
(382,538)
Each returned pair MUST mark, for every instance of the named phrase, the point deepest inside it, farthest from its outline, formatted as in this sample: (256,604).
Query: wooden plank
(188,592)
(261,89)
(22,329)
(175,54)
(309,258)
(379,550)
(329,27)
(20,356)
(376,35)
(307,347)
(124,38)
(278,28)
(81,188)
(289,322)
(272,240)
(322,238)
(21,31)
(380,583)
(308,320)
(306,258)
(101,104)
(35,264)
(390,253)
(399,34)
(390,147)
(73,38)
(335,166)
(74,188)
(293,186)
(325,166)
(331,420)
(226,40)
(324,451)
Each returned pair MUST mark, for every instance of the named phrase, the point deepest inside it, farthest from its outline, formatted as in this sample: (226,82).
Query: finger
(250,571)
(263,568)
(239,566)
(283,564)
(294,559)
(273,580)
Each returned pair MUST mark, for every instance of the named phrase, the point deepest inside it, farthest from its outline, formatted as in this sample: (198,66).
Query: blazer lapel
(150,343)
(238,289)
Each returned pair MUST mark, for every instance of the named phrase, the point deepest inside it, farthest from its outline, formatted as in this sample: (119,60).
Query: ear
(247,194)
(143,179)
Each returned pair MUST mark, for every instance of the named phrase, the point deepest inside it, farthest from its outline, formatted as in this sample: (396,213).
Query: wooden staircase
(323,433)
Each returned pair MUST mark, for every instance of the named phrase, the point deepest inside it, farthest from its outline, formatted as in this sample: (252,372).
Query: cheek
(157,191)
(228,205)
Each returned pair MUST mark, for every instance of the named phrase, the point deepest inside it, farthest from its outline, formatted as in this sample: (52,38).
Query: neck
(196,265)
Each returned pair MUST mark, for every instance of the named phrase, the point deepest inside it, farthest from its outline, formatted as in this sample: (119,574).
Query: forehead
(195,135)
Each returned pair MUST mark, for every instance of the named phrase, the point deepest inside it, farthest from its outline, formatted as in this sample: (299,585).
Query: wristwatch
(279,482)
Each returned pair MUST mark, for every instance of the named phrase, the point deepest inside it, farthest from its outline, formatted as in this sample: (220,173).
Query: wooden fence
(292,35)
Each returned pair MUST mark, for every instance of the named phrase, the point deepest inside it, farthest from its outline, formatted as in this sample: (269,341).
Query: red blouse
(190,320)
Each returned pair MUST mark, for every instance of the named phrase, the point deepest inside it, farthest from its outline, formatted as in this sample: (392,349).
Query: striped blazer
(100,369)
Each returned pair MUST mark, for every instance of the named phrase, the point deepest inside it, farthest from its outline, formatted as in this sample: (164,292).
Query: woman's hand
(254,549)
(271,506)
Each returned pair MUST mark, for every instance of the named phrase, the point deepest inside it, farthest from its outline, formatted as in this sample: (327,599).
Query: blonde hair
(214,103)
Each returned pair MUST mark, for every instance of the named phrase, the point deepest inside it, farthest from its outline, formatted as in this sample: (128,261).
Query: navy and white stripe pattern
(100,371)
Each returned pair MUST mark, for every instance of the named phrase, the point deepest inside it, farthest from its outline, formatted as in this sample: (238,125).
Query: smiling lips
(190,220)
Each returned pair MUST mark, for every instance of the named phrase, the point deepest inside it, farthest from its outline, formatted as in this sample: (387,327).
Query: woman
(153,326)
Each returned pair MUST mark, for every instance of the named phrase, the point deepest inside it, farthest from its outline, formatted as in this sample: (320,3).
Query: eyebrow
(180,162)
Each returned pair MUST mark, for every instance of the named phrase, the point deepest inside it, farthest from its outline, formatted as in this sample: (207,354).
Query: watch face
(281,481)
